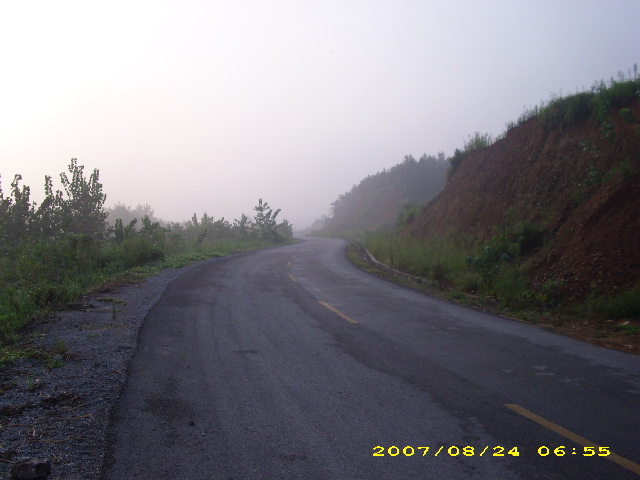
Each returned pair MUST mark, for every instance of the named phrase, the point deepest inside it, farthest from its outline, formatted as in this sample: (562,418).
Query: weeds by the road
(495,276)
(464,266)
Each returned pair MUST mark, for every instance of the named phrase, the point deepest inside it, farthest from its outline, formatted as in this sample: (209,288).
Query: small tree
(47,219)
(241,227)
(16,213)
(267,226)
(265,221)
(82,211)
(284,230)
(119,231)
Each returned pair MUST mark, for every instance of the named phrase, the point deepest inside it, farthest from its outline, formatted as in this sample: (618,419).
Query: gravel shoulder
(61,414)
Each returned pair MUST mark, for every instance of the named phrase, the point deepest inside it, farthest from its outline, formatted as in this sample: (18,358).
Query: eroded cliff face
(582,188)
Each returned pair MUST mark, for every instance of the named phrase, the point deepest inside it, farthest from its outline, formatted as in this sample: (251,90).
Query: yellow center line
(294,279)
(623,462)
(338,312)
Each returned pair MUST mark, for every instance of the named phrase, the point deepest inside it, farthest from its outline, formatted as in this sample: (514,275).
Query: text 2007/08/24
(495,451)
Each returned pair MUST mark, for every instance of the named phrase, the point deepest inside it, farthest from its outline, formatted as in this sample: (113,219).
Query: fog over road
(290,363)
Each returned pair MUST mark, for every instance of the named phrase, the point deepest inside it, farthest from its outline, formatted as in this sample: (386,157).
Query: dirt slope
(581,187)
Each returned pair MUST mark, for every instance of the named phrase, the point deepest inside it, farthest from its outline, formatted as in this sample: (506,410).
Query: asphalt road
(290,363)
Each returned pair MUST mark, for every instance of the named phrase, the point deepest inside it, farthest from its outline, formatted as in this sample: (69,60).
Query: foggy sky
(195,106)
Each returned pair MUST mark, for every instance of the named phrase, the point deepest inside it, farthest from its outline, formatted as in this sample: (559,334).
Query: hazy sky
(195,106)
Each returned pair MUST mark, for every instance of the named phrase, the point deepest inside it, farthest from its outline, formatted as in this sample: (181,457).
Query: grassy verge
(494,276)
(42,276)
(464,268)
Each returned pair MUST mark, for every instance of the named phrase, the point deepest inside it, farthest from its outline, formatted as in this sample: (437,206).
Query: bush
(475,142)
(624,305)
(569,111)
(16,306)
(528,236)
(455,162)
(407,214)
(511,287)
(621,93)
(469,282)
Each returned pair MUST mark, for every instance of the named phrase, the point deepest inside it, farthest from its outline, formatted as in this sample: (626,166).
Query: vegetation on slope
(462,265)
(542,222)
(54,252)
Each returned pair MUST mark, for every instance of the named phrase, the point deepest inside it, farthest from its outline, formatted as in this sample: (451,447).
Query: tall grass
(443,257)
(566,112)
(492,269)
(623,305)
(477,141)
(495,270)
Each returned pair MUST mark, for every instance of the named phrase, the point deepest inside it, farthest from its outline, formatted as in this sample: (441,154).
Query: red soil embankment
(583,189)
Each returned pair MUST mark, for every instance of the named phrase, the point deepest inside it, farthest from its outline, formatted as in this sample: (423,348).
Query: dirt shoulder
(57,408)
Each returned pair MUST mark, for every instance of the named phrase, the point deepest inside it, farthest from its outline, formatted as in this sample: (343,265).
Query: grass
(476,142)
(55,356)
(631,329)
(493,274)
(603,320)
(442,259)
(598,102)
(623,305)
(36,277)
(568,111)
(22,301)
(492,269)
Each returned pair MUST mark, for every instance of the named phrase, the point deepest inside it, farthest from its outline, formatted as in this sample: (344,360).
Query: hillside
(378,199)
(573,172)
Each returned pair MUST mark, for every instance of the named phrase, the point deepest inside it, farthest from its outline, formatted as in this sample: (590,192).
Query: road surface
(290,363)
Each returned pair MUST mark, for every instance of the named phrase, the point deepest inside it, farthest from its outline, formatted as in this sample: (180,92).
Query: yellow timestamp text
(486,451)
(562,450)
(442,450)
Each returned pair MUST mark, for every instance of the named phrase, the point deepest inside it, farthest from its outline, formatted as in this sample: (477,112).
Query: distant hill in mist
(377,200)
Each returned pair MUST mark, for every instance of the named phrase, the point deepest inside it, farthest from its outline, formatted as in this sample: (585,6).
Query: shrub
(407,213)
(621,93)
(15,307)
(528,236)
(488,264)
(550,292)
(511,287)
(455,161)
(569,111)
(469,282)
(627,115)
(623,305)
(475,142)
